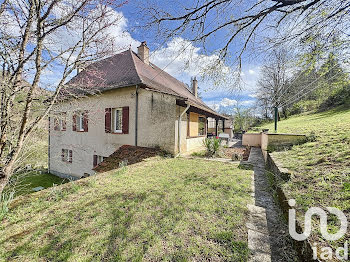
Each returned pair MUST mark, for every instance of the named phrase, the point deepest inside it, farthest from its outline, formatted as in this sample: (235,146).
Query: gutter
(179,130)
(136,112)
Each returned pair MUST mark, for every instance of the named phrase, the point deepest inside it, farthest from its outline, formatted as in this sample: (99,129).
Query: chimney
(143,52)
(195,87)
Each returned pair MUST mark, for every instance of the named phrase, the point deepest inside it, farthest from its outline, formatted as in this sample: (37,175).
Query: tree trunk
(5,176)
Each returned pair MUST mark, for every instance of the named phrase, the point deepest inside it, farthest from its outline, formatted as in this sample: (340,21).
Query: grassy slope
(321,169)
(164,209)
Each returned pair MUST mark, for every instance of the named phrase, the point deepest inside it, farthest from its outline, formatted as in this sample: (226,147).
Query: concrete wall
(188,144)
(194,143)
(266,140)
(157,115)
(251,139)
(179,110)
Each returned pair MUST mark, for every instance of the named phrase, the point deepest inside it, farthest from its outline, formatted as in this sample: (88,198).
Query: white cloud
(183,60)
(247,102)
(252,72)
(228,102)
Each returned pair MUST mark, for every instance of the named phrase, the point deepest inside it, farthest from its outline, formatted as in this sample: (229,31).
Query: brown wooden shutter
(86,121)
(74,122)
(95,160)
(64,124)
(125,120)
(108,119)
(56,124)
(62,155)
(70,156)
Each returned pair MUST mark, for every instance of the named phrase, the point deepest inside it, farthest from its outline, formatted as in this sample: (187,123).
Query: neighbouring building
(124,100)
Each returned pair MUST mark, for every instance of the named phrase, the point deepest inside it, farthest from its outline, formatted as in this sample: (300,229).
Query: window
(67,155)
(60,122)
(201,126)
(117,120)
(196,125)
(80,121)
(97,160)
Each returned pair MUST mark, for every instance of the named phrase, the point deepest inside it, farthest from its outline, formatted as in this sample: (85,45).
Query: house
(123,100)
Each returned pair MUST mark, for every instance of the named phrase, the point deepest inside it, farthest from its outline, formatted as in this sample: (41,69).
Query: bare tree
(240,22)
(38,36)
(273,88)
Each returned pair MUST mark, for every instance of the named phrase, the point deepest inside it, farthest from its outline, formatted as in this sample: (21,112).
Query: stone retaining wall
(281,175)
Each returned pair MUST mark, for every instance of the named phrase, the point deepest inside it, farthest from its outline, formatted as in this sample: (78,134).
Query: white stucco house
(123,100)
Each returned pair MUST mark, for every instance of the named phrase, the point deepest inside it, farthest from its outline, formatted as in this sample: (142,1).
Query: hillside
(320,169)
(163,209)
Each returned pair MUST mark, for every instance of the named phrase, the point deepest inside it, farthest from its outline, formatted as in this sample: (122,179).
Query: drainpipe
(136,112)
(179,129)
(49,142)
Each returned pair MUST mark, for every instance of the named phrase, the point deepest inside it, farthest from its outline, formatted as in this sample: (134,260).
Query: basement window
(100,159)
(97,160)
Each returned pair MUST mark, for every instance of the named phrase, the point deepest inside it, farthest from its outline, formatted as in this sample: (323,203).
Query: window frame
(67,155)
(189,125)
(205,125)
(60,121)
(80,122)
(114,120)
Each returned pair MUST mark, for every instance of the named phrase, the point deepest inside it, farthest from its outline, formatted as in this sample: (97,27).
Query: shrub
(212,146)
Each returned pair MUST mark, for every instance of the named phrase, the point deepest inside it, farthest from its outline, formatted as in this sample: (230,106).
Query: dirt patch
(129,155)
(242,153)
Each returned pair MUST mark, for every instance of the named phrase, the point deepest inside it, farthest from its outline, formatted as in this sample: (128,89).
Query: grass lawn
(321,169)
(157,210)
(25,182)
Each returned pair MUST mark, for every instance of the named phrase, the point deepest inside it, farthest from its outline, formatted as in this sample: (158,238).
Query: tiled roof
(127,69)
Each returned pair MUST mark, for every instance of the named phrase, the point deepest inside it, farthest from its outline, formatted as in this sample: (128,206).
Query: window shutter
(70,156)
(95,160)
(108,119)
(62,154)
(125,120)
(56,124)
(86,121)
(74,122)
(64,124)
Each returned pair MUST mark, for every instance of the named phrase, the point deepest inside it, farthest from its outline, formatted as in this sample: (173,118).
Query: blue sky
(221,98)
(173,57)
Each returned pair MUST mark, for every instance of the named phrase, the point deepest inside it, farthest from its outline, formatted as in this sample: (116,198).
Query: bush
(341,97)
(212,146)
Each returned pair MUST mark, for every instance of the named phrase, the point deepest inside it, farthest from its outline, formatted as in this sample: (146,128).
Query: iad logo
(326,253)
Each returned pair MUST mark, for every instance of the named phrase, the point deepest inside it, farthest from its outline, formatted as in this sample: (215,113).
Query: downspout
(48,153)
(136,112)
(179,130)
